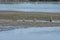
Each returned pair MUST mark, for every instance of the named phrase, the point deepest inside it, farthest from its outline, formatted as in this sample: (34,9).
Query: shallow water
(32,33)
(31,7)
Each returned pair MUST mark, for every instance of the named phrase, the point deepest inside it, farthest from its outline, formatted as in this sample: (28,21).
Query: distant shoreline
(48,2)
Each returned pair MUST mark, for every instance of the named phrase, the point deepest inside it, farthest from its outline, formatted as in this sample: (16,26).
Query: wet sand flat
(15,15)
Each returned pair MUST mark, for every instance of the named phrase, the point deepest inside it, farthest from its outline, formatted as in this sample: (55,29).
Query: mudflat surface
(15,15)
